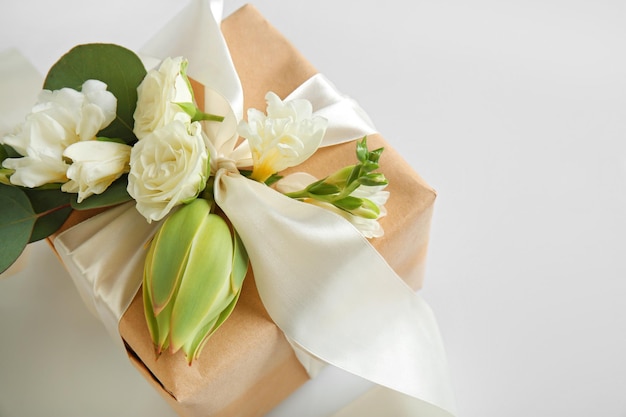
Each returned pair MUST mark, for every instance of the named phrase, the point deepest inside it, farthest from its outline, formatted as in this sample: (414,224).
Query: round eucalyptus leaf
(115,194)
(119,68)
(17,219)
(52,207)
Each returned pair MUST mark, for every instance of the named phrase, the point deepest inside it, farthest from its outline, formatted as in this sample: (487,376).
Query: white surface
(513,111)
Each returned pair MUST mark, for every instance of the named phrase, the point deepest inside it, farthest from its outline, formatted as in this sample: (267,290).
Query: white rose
(167,168)
(158,94)
(286,137)
(59,119)
(95,165)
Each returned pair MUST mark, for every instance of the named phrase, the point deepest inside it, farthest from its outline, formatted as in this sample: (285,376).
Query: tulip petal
(172,245)
(240,263)
(194,346)
(205,287)
(158,325)
(153,327)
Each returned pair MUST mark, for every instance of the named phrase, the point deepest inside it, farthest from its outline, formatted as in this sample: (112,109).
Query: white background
(513,110)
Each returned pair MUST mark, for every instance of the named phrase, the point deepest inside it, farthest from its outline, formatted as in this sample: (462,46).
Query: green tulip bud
(192,278)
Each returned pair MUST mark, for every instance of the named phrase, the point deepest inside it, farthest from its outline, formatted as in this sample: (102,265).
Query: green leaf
(118,67)
(53,208)
(17,219)
(3,153)
(115,194)
(9,152)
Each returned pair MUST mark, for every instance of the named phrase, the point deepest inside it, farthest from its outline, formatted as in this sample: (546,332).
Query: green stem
(200,116)
(52,210)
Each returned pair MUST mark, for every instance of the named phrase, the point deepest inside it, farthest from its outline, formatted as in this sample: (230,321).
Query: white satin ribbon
(105,256)
(20,83)
(323,284)
(347,121)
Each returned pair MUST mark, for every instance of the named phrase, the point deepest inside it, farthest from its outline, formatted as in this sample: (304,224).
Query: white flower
(59,119)
(286,137)
(98,110)
(369,227)
(158,94)
(167,168)
(35,171)
(95,165)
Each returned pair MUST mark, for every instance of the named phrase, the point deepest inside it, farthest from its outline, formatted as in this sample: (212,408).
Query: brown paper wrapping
(248,367)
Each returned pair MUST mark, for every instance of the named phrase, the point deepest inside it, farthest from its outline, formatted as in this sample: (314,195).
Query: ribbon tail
(333,294)
(105,256)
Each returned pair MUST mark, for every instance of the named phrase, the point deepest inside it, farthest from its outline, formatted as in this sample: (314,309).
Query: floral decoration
(104,136)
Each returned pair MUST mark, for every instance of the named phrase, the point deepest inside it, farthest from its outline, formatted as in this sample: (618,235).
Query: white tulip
(95,165)
(158,94)
(286,137)
(98,109)
(34,171)
(58,119)
(167,168)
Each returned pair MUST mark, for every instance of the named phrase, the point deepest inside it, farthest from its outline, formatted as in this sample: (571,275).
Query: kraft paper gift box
(247,366)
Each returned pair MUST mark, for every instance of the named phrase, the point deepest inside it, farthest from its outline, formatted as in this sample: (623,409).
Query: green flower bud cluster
(193,276)
(337,189)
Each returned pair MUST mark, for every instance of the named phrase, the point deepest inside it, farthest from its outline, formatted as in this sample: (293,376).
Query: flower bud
(192,278)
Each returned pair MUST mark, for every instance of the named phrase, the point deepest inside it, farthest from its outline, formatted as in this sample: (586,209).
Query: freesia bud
(192,278)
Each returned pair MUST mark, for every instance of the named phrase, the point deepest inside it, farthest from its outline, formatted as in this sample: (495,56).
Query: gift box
(248,366)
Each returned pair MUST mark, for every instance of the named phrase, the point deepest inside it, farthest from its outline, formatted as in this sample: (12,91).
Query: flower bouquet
(241,243)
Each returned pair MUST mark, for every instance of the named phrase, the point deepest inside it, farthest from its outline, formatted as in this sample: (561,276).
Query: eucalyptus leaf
(17,219)
(118,67)
(52,207)
(9,152)
(115,194)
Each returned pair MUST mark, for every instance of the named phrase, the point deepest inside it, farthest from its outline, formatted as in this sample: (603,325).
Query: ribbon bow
(323,284)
